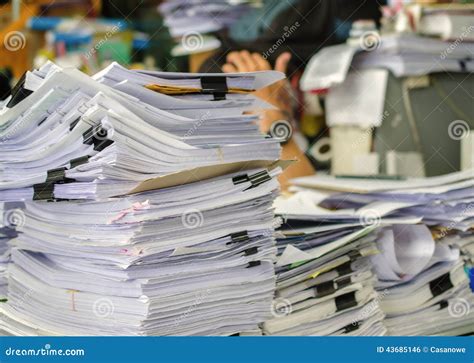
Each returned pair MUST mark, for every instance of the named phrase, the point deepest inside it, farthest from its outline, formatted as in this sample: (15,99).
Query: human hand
(244,61)
(278,95)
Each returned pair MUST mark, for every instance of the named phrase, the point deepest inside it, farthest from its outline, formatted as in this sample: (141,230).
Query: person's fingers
(248,60)
(229,68)
(282,61)
(262,64)
(236,59)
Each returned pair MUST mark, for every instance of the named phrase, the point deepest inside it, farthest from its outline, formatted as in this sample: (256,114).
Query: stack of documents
(154,230)
(176,261)
(440,202)
(424,283)
(188,100)
(421,264)
(325,283)
(402,54)
(202,16)
(68,136)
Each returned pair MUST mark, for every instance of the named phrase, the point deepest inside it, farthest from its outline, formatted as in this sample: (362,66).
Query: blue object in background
(44,23)
(140,43)
(72,39)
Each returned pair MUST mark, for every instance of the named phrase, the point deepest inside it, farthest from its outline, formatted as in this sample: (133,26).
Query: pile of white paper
(325,283)
(402,54)
(424,224)
(425,286)
(185,260)
(76,138)
(202,16)
(154,230)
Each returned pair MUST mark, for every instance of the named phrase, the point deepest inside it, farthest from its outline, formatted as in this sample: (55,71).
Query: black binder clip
(351,327)
(213,84)
(79,161)
(217,86)
(255,179)
(251,251)
(325,289)
(260,178)
(58,176)
(441,284)
(240,179)
(253,264)
(346,301)
(97,136)
(238,237)
(19,92)
(344,269)
(43,191)
(219,96)
(343,282)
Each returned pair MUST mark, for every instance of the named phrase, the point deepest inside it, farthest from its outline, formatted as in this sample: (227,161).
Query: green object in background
(115,50)
(160,42)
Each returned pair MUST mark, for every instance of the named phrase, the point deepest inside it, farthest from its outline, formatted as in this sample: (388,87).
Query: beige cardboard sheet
(205,172)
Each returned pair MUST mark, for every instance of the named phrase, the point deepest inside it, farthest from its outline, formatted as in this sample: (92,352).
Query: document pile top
(417,236)
(191,254)
(403,54)
(74,137)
